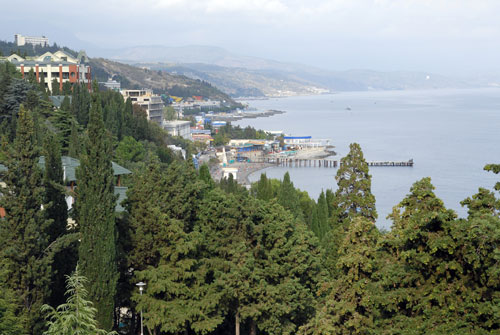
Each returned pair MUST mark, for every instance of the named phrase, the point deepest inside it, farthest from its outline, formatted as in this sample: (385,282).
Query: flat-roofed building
(178,128)
(34,40)
(151,102)
(59,65)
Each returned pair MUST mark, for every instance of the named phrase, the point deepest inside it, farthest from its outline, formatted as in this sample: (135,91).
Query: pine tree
(354,186)
(349,307)
(95,208)
(23,237)
(77,316)
(10,324)
(421,263)
(164,248)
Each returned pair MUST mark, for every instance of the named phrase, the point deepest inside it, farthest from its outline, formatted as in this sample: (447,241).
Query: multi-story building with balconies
(145,98)
(59,66)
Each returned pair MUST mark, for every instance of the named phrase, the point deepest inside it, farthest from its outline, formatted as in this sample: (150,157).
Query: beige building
(145,98)
(58,65)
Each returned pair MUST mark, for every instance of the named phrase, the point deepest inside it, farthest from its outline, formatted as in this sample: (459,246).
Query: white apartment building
(178,128)
(145,98)
(34,40)
(58,65)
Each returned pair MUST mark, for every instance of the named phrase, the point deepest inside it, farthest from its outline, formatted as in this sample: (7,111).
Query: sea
(450,135)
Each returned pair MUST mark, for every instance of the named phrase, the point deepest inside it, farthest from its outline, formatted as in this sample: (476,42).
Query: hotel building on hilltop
(145,98)
(59,65)
(34,40)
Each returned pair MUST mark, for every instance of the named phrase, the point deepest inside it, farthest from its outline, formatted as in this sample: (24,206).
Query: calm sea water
(450,134)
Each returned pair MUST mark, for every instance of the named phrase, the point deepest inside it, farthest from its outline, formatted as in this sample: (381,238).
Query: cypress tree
(95,208)
(322,214)
(57,211)
(287,196)
(264,189)
(74,146)
(354,186)
(55,87)
(205,176)
(23,237)
(57,208)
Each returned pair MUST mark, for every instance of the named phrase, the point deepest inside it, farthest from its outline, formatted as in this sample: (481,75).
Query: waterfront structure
(59,65)
(304,142)
(178,128)
(21,40)
(151,102)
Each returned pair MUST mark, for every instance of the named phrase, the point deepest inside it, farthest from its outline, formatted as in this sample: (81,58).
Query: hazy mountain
(240,75)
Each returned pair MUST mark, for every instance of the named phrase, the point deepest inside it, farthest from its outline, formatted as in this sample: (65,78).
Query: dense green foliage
(24,231)
(216,258)
(229,132)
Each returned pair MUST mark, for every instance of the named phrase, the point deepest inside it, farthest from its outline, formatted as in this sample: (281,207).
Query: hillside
(159,81)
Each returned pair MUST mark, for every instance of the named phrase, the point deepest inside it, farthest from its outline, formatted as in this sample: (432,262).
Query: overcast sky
(443,36)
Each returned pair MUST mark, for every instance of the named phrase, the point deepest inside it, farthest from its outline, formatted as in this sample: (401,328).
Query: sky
(442,36)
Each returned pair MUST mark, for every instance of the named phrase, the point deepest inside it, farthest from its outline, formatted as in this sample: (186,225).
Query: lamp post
(141,288)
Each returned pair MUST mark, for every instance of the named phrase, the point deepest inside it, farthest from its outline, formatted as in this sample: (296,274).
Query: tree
(57,211)
(287,196)
(129,150)
(74,146)
(23,236)
(422,265)
(10,324)
(205,176)
(263,189)
(55,87)
(321,226)
(95,208)
(349,307)
(354,186)
(164,247)
(80,103)
(77,316)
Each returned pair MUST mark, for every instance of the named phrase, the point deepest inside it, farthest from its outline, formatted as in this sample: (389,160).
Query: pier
(329,163)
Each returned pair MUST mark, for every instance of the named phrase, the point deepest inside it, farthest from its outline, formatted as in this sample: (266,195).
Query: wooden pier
(328,163)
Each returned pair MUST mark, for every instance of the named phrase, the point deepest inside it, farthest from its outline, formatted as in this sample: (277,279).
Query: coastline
(245,169)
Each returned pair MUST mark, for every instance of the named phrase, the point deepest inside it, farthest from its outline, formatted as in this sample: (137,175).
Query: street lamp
(141,288)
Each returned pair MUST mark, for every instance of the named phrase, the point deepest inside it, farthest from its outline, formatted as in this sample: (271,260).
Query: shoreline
(245,169)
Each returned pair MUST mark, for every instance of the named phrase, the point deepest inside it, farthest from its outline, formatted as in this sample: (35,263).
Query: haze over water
(450,134)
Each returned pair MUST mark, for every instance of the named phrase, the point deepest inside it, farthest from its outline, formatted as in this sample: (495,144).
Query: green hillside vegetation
(160,81)
(217,258)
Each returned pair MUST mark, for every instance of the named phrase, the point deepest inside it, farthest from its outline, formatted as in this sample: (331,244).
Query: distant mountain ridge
(251,76)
